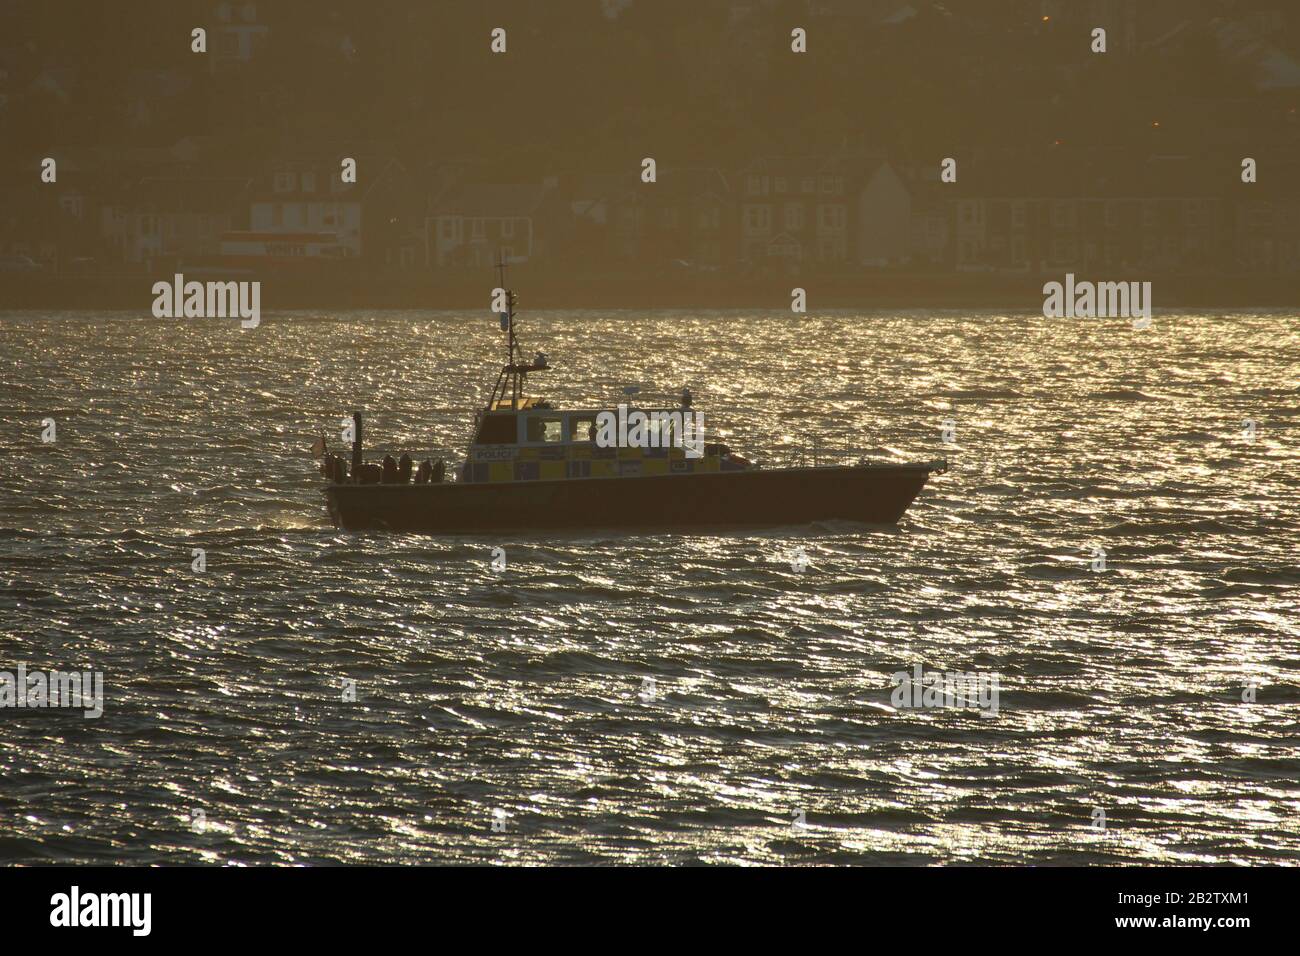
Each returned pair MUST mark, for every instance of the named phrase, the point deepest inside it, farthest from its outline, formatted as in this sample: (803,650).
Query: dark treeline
(591,85)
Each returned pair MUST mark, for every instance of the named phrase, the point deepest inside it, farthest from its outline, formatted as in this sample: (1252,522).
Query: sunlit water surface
(657,698)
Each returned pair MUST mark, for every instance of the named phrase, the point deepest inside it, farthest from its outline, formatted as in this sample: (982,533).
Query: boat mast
(515,383)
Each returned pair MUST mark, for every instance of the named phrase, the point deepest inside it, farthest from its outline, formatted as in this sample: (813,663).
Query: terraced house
(794,211)
(686,216)
(470,225)
(1166,214)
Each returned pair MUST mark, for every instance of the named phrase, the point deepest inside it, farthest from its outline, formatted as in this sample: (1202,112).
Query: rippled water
(520,698)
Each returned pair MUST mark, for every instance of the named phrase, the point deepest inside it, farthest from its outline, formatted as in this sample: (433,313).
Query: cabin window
(497,430)
(582,429)
(545,429)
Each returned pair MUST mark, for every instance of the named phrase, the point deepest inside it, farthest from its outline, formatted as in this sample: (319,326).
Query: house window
(758,218)
(809,185)
(828,184)
(447,229)
(507,228)
(832,217)
(753,186)
(793,216)
(780,184)
(478,229)
(284,182)
(309,182)
(1018,214)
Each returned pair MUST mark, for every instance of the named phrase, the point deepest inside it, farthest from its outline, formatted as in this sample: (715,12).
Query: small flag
(318,447)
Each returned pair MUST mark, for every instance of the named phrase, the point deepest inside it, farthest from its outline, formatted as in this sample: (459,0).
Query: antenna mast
(515,372)
(510,307)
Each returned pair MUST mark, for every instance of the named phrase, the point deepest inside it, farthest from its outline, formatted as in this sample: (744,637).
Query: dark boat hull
(877,494)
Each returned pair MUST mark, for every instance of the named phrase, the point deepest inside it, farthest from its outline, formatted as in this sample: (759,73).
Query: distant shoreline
(867,291)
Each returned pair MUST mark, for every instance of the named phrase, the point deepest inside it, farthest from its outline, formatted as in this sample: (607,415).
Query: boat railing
(814,453)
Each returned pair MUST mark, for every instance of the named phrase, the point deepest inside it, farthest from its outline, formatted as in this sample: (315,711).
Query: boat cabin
(537,442)
(520,437)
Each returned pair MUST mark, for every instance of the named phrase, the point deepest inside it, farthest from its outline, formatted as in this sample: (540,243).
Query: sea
(1113,547)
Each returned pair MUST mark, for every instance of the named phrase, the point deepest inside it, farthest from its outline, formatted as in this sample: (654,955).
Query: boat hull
(877,494)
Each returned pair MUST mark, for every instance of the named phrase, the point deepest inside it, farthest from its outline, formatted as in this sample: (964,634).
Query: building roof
(490,200)
(794,167)
(213,196)
(1093,174)
(676,183)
